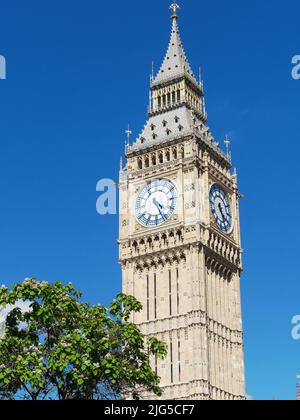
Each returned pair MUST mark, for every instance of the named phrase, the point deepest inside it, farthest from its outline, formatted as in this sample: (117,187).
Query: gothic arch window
(178,96)
(135,246)
(164,239)
(175,260)
(168,157)
(168,262)
(161,157)
(183,258)
(153,160)
(146,162)
(140,163)
(149,242)
(159,102)
(173,98)
(182,152)
(153,265)
(179,235)
(175,153)
(169,99)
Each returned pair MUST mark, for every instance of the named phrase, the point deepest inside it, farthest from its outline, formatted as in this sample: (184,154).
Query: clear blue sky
(78,72)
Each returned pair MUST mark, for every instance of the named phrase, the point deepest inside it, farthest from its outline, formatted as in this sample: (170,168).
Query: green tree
(64,348)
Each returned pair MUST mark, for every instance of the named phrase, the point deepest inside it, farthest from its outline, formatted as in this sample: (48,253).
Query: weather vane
(174,7)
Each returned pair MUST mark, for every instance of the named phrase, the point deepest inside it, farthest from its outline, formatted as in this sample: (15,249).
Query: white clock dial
(156,203)
(220,208)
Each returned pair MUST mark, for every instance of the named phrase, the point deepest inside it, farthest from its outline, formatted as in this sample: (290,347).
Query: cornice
(212,148)
(190,320)
(208,390)
(227,238)
(217,247)
(157,170)
(206,145)
(214,257)
(156,255)
(217,176)
(171,141)
(172,81)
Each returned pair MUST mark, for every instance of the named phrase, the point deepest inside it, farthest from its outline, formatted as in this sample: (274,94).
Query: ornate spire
(175,64)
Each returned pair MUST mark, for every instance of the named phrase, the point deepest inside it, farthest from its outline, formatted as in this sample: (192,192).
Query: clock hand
(157,203)
(221,211)
(159,208)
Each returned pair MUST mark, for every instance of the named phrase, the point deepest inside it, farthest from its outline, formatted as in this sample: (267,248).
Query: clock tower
(179,244)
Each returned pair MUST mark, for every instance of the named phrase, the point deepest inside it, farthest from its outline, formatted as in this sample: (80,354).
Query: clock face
(220,208)
(156,203)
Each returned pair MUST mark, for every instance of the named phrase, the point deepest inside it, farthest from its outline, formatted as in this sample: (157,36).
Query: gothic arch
(140,163)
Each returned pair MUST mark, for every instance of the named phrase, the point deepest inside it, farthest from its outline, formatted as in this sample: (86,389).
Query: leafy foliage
(64,348)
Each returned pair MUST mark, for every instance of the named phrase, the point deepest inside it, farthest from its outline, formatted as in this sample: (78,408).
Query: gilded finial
(204,107)
(127,141)
(200,78)
(227,144)
(128,132)
(174,7)
(152,72)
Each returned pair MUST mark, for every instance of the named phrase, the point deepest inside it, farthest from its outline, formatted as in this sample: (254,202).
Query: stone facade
(185,272)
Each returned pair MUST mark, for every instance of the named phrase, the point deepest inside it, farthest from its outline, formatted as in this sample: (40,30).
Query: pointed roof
(175,64)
